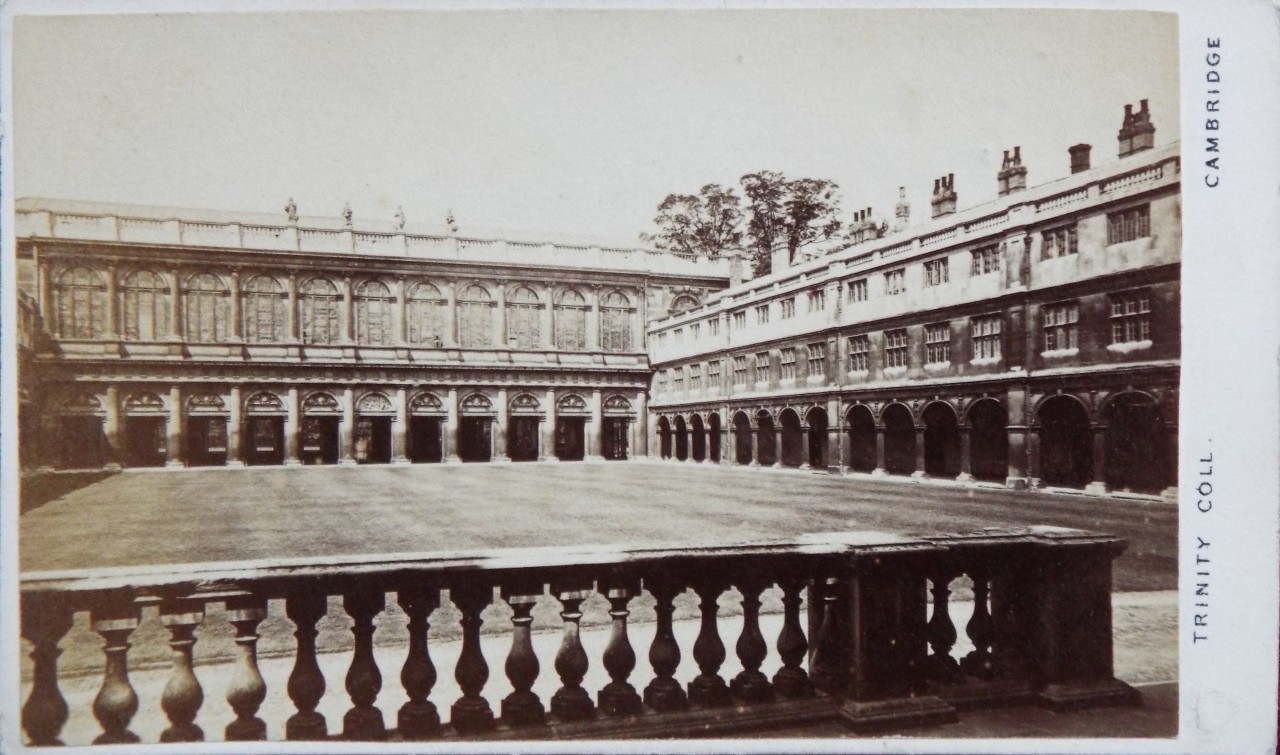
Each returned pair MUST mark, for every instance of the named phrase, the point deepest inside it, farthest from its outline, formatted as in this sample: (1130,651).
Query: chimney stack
(1013,175)
(1079,157)
(1137,132)
(902,213)
(944,195)
(735,267)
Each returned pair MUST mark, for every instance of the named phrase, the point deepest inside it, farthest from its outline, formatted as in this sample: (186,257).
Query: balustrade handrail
(1041,631)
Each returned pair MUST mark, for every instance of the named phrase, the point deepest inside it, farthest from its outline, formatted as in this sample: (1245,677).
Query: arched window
(524,319)
(80,298)
(426,315)
(616,317)
(205,302)
(683,303)
(265,319)
(475,318)
(571,321)
(374,305)
(144,299)
(318,308)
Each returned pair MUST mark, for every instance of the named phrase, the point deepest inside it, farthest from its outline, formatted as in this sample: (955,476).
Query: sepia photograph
(473,377)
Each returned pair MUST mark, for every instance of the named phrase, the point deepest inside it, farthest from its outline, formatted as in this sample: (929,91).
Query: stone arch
(206,403)
(860,422)
(741,438)
(680,431)
(375,403)
(320,403)
(144,403)
(477,404)
(818,455)
(1138,454)
(793,449)
(664,438)
(525,404)
(941,439)
(713,437)
(988,439)
(697,437)
(426,404)
(618,405)
(572,405)
(1039,403)
(899,438)
(1066,441)
(264,402)
(766,438)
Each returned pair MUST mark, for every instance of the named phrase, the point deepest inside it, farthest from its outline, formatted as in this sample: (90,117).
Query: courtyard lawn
(201,515)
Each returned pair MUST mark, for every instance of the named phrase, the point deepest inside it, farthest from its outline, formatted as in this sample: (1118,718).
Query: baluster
(247,688)
(44,622)
(116,701)
(522,707)
(571,702)
(829,668)
(619,698)
(418,718)
(664,693)
(471,713)
(182,695)
(750,685)
(978,663)
(306,682)
(941,667)
(791,681)
(364,721)
(708,689)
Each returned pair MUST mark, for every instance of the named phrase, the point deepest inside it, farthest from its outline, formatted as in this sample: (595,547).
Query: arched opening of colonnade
(1066,443)
(862,439)
(766,440)
(664,438)
(899,440)
(941,440)
(742,439)
(697,438)
(680,431)
(818,425)
(713,437)
(988,441)
(793,445)
(1139,456)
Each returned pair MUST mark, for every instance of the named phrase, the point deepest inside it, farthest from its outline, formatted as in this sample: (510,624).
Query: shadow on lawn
(37,489)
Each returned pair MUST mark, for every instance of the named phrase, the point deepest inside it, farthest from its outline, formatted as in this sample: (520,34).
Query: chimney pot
(1144,105)
(1079,157)
(1017,152)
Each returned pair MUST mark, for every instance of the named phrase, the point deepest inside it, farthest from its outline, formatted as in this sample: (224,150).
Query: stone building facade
(1031,341)
(159,337)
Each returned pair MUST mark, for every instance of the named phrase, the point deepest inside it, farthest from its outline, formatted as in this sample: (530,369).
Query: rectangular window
(713,374)
(895,282)
(695,331)
(739,320)
(713,327)
(677,335)
(936,272)
(859,353)
(986,260)
(662,340)
(817,359)
(937,343)
(787,364)
(662,381)
(1130,224)
(762,367)
(985,332)
(740,372)
(1131,317)
(895,348)
(677,381)
(818,300)
(1059,242)
(788,309)
(762,314)
(858,290)
(1061,325)
(695,377)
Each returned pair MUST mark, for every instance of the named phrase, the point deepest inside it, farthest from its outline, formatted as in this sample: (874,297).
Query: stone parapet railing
(867,636)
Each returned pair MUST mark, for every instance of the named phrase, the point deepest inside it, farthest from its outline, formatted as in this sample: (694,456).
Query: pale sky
(569,123)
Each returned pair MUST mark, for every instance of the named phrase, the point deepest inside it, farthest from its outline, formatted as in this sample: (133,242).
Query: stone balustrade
(867,636)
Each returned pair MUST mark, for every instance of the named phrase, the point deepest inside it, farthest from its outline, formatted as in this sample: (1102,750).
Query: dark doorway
(1137,445)
(84,442)
(741,439)
(664,438)
(698,438)
(319,442)
(681,433)
(817,438)
(766,441)
(424,440)
(571,438)
(615,438)
(941,441)
(713,437)
(372,441)
(862,440)
(145,444)
(264,441)
(206,441)
(522,439)
(1066,443)
(899,440)
(792,439)
(475,439)
(988,441)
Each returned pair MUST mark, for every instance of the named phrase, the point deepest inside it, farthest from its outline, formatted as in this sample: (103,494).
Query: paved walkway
(200,515)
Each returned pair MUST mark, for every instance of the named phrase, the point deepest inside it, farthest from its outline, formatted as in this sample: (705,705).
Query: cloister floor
(147,517)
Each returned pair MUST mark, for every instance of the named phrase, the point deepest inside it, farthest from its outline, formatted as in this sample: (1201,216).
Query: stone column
(1016,476)
(500,428)
(113,304)
(400,425)
(544,324)
(593,319)
(174,430)
(500,322)
(401,312)
(111,428)
(451,317)
(346,431)
(45,288)
(451,428)
(237,322)
(1171,439)
(1033,458)
(1099,484)
(755,446)
(547,441)
(880,470)
(292,306)
(966,456)
(233,428)
(345,335)
(728,442)
(292,425)
(641,447)
(919,472)
(175,305)
(595,428)
(777,445)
